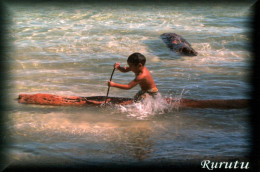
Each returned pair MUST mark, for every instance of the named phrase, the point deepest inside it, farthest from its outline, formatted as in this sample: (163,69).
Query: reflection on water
(85,135)
(134,141)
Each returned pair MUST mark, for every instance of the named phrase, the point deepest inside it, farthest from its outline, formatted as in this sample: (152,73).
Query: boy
(136,63)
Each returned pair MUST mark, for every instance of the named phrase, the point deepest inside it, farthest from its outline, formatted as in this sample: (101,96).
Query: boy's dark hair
(136,58)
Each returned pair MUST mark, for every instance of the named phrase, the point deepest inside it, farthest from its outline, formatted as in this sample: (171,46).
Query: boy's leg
(140,95)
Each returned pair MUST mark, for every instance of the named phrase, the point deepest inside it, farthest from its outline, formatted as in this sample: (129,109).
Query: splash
(153,106)
(175,102)
(148,107)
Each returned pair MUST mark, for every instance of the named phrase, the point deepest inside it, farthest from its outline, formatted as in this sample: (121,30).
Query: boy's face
(134,68)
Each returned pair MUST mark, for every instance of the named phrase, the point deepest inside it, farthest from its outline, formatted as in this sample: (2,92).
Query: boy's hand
(110,83)
(116,65)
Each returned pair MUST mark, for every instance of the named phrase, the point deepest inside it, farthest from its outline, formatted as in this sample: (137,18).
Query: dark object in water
(49,99)
(178,44)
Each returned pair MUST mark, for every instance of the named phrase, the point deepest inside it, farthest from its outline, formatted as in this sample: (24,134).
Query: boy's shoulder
(140,76)
(145,71)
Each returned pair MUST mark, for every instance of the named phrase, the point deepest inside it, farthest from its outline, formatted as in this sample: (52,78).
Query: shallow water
(70,50)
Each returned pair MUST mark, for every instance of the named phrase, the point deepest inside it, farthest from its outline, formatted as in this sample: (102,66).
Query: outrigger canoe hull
(49,99)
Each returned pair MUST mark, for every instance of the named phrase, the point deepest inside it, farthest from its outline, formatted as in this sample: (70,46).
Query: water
(70,50)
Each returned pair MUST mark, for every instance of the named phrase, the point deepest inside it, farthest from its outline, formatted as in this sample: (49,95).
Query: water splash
(148,107)
(175,102)
(153,106)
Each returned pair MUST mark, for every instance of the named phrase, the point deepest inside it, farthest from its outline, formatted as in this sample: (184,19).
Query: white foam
(148,107)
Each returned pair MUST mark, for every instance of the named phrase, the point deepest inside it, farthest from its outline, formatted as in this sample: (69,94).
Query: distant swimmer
(178,44)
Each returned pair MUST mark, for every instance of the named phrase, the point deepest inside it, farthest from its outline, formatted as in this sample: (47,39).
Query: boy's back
(146,80)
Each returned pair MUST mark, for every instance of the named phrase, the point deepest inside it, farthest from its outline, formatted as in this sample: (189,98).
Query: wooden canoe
(49,99)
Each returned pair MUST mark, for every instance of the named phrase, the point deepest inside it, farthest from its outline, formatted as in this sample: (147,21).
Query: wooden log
(49,99)
(178,44)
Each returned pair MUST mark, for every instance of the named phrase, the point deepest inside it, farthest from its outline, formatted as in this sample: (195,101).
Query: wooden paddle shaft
(109,86)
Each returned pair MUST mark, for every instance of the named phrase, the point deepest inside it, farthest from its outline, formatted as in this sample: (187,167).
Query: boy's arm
(121,69)
(132,84)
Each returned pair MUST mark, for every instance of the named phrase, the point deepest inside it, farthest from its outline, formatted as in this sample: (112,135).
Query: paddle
(109,86)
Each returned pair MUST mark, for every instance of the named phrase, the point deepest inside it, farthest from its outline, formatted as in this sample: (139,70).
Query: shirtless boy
(136,64)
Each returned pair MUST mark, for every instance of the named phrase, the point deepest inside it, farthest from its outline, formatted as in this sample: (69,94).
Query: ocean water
(70,50)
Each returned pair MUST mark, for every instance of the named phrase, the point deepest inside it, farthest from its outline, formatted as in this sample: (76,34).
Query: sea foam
(148,107)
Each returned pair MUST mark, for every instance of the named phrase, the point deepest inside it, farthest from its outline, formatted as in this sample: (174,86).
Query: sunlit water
(70,50)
